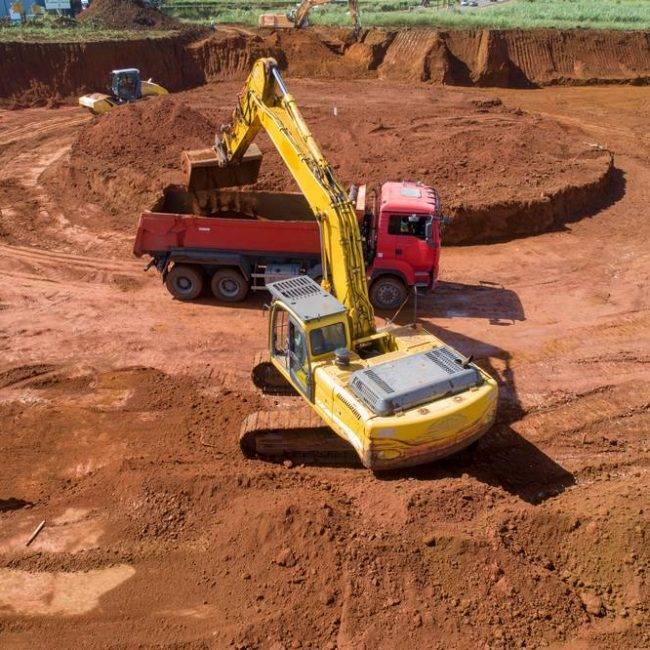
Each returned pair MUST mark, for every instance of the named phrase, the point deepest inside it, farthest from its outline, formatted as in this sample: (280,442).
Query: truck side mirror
(428,231)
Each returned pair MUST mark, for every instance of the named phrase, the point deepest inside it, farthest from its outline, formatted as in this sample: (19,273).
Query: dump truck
(240,241)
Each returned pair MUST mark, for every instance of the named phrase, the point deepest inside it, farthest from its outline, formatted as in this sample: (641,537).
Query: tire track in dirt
(61,267)
(37,129)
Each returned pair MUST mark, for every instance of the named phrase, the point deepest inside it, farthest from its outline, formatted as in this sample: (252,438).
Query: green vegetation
(596,14)
(70,32)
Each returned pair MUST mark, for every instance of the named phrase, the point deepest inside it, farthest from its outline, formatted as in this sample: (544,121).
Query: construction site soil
(120,407)
(501,172)
(51,72)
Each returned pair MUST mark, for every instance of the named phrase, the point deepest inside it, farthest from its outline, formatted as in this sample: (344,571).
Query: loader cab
(307,324)
(125,85)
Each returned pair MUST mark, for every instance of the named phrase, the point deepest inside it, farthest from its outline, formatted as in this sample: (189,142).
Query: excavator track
(298,435)
(266,377)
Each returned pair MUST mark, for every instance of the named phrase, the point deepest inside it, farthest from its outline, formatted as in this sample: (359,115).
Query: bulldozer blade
(206,170)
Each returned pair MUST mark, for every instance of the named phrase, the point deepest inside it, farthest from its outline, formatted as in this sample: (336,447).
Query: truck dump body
(160,233)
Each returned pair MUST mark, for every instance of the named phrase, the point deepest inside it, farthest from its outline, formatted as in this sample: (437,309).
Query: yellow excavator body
(398,396)
(428,430)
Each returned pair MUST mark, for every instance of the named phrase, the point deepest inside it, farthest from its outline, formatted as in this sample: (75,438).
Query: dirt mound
(501,172)
(127,14)
(124,159)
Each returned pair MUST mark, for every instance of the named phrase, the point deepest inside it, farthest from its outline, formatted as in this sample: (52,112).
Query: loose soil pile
(126,158)
(127,14)
(501,172)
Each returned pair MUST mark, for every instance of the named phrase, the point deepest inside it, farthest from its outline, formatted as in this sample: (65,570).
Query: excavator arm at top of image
(399,396)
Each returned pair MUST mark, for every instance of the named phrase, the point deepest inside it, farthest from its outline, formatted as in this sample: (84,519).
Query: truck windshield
(414,225)
(327,339)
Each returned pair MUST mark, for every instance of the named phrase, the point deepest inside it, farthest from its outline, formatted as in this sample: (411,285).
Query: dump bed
(160,233)
(231,220)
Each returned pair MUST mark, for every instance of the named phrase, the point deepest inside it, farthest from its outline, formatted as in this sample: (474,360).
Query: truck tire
(184,282)
(229,285)
(388,292)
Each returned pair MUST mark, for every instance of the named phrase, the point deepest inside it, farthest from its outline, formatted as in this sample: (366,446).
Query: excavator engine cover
(410,381)
(206,169)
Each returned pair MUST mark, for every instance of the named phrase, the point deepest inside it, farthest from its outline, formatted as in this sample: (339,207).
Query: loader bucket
(205,169)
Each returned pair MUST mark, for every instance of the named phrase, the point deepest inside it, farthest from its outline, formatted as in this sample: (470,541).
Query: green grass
(595,14)
(33,33)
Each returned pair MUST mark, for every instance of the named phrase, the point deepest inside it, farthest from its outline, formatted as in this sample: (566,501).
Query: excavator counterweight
(398,396)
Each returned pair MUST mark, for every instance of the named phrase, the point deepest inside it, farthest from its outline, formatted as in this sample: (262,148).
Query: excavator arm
(265,103)
(300,14)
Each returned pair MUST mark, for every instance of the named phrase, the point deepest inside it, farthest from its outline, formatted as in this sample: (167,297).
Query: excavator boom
(301,14)
(266,103)
(298,17)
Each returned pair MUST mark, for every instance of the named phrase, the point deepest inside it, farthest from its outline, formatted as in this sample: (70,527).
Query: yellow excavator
(299,16)
(394,397)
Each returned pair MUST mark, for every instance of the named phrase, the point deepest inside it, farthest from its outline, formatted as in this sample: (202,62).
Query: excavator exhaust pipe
(207,169)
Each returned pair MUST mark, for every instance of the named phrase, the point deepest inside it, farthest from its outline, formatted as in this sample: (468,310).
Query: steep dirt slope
(507,58)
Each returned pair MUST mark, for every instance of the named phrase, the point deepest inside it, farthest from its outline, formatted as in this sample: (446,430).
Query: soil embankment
(501,172)
(483,57)
(52,72)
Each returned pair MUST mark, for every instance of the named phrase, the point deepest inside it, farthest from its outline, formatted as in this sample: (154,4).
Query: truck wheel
(184,282)
(388,292)
(229,285)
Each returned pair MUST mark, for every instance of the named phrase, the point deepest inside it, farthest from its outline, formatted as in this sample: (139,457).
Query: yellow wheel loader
(125,86)
(394,397)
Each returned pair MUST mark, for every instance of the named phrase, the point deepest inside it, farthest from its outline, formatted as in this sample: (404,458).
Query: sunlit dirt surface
(119,413)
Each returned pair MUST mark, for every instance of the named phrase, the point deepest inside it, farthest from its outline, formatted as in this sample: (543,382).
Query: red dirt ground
(120,410)
(501,171)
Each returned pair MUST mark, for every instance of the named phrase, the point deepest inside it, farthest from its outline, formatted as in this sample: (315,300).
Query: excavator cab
(125,85)
(307,325)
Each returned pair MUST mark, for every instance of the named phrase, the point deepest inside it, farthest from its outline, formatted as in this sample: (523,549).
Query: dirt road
(119,410)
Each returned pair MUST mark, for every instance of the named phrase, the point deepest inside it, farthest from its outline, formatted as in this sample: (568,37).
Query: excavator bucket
(207,170)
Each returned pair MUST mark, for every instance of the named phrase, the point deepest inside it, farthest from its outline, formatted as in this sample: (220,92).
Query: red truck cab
(406,241)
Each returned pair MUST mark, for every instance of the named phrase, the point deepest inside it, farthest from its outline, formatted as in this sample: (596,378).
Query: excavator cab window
(289,346)
(327,339)
(280,333)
